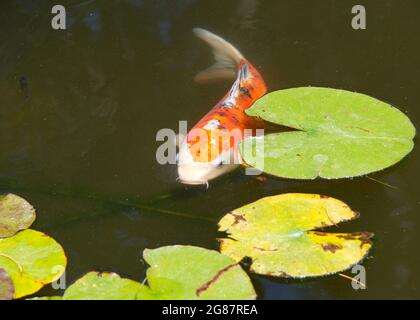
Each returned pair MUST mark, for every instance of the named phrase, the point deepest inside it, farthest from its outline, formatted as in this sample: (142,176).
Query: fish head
(192,172)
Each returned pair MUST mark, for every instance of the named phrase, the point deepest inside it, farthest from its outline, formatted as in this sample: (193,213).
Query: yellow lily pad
(32,260)
(279,234)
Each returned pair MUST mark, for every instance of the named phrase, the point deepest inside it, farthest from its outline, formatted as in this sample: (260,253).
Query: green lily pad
(279,234)
(103,286)
(176,272)
(337,134)
(7,288)
(32,259)
(15,214)
(190,273)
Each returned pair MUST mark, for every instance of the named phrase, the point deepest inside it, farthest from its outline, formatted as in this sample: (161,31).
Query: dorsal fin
(226,55)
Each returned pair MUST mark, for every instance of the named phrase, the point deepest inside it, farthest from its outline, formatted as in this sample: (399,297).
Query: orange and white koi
(210,147)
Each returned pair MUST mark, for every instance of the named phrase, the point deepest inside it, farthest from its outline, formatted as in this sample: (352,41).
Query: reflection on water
(80,109)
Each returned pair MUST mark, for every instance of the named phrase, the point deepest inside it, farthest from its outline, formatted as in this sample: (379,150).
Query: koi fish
(210,147)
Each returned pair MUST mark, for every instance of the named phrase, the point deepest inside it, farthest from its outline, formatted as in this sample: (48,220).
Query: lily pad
(190,273)
(15,214)
(176,272)
(279,234)
(337,134)
(103,286)
(7,289)
(31,258)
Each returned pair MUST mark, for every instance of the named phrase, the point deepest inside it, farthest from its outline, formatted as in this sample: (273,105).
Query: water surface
(78,140)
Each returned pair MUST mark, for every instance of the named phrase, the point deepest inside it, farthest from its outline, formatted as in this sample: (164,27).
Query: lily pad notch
(281,236)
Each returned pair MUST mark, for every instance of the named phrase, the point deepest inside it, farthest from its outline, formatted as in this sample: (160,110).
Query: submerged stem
(150,204)
(352,279)
(381,182)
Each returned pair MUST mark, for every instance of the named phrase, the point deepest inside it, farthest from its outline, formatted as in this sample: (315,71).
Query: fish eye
(219,164)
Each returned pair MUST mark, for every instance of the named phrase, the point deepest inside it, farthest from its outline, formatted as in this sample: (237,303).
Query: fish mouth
(193,182)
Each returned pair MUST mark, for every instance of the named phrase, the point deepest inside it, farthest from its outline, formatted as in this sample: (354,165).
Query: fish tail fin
(226,55)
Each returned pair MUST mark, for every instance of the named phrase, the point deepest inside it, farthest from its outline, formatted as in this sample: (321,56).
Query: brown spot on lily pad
(265,250)
(321,234)
(238,218)
(331,247)
(363,237)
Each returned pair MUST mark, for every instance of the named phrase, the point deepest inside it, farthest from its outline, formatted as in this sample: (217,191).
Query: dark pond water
(79,111)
